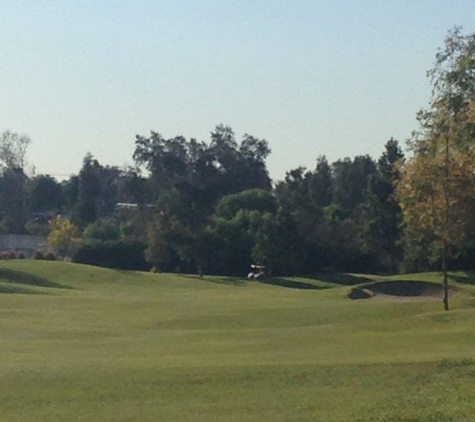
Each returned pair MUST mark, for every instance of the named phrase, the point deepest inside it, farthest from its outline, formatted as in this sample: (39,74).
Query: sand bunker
(398,290)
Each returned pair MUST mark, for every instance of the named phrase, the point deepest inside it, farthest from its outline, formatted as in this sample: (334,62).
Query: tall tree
(44,194)
(13,208)
(13,148)
(437,183)
(188,178)
(278,245)
(321,183)
(88,191)
(95,192)
(325,205)
(381,214)
(351,180)
(13,200)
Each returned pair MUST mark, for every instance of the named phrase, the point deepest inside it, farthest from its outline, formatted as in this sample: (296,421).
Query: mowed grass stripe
(100,345)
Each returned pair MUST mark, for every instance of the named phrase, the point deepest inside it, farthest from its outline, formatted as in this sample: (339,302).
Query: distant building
(131,206)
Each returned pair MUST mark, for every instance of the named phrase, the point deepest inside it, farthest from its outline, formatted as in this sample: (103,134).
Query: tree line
(194,206)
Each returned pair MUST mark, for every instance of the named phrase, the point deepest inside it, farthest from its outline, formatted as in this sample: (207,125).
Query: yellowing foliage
(64,235)
(471,115)
(434,193)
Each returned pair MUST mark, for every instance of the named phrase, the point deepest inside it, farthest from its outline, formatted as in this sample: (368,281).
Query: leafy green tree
(88,191)
(104,229)
(137,187)
(239,167)
(320,183)
(278,245)
(351,180)
(300,196)
(174,232)
(293,192)
(380,231)
(162,234)
(13,201)
(238,221)
(326,206)
(187,180)
(205,172)
(251,199)
(165,159)
(70,193)
(97,190)
(44,194)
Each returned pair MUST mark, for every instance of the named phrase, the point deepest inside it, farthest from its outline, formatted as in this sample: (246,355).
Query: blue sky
(312,77)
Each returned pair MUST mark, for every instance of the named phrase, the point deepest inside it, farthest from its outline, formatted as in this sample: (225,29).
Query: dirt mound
(397,289)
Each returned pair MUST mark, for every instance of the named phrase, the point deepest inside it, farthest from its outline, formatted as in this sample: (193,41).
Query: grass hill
(81,343)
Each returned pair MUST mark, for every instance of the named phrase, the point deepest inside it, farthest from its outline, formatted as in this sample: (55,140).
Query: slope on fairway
(90,344)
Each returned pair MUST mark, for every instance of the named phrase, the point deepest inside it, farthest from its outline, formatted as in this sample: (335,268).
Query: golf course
(82,343)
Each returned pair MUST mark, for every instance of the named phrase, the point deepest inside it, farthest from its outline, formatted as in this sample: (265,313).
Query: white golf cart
(258,272)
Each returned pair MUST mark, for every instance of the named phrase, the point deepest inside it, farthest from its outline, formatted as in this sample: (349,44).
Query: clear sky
(333,77)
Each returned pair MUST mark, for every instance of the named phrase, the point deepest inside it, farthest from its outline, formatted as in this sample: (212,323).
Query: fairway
(80,343)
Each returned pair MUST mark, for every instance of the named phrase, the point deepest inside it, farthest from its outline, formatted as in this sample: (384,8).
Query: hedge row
(119,255)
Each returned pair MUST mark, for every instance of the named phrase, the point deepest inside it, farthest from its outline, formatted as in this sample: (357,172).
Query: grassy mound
(100,345)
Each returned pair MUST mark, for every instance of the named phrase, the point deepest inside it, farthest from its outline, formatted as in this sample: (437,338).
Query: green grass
(81,343)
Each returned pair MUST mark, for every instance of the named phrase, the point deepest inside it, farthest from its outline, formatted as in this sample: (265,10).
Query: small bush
(12,255)
(50,256)
(38,255)
(5,255)
(21,255)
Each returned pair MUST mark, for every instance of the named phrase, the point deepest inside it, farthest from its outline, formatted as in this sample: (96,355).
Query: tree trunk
(445,281)
(448,222)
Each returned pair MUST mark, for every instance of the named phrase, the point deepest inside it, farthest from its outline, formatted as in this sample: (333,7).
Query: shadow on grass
(230,281)
(275,281)
(14,289)
(467,278)
(313,283)
(20,277)
(342,279)
(291,284)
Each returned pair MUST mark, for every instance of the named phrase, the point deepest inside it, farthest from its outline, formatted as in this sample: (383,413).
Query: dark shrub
(38,255)
(119,255)
(50,256)
(12,255)
(21,255)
